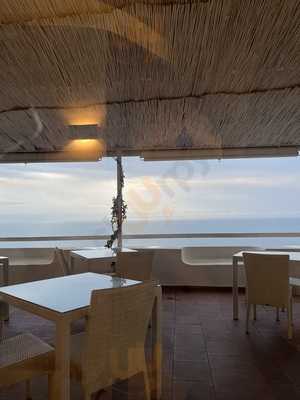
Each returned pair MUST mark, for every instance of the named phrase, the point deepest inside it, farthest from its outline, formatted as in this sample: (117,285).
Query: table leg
(4,305)
(156,345)
(4,311)
(5,272)
(59,382)
(235,294)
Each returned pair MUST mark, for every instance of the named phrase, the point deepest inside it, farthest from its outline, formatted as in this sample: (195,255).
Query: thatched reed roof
(156,74)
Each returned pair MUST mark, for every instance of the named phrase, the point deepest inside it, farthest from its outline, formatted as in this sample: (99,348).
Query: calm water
(173,226)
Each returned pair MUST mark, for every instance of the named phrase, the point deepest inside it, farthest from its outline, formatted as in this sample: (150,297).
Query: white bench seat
(207,262)
(206,256)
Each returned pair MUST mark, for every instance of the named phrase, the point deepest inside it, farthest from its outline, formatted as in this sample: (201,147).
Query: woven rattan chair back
(267,279)
(116,334)
(137,266)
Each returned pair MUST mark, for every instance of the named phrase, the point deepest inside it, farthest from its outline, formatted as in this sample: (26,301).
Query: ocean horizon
(180,226)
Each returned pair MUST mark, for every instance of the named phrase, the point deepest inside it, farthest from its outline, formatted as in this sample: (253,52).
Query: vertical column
(119,199)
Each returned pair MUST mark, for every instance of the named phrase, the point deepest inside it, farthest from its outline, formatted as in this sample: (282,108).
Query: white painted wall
(168,268)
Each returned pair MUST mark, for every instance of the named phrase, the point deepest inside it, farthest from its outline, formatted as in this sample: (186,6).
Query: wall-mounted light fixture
(83,131)
(85,142)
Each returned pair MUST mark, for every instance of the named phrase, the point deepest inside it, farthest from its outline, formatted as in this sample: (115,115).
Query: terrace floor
(206,355)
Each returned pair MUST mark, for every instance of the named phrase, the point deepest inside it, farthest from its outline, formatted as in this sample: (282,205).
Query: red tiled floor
(206,355)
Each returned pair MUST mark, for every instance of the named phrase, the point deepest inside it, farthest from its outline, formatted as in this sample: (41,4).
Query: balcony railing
(219,235)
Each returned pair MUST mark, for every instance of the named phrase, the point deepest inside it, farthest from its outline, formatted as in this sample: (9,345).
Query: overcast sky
(54,193)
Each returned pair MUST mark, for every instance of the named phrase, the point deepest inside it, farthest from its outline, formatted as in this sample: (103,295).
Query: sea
(180,226)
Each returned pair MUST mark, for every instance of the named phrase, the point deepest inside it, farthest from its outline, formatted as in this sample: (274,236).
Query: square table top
(100,253)
(294,256)
(64,294)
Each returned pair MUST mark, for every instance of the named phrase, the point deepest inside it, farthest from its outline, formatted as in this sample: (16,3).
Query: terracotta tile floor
(206,355)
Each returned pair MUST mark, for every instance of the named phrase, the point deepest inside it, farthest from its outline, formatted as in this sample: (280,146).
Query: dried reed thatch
(152,74)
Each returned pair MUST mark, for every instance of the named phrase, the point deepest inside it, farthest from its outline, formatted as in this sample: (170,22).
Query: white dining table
(95,254)
(237,259)
(66,299)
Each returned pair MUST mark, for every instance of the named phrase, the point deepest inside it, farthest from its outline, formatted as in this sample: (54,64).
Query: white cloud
(247,181)
(48,175)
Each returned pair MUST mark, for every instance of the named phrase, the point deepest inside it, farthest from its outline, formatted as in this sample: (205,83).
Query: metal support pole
(119,200)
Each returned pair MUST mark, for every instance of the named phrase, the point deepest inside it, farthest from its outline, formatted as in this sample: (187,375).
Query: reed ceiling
(151,74)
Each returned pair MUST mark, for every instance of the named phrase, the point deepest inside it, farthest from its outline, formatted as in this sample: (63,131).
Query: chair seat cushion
(21,348)
(23,357)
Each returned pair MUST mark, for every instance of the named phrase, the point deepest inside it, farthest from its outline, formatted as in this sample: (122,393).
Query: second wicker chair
(135,265)
(113,346)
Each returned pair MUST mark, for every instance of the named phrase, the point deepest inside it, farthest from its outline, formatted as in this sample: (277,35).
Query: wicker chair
(113,346)
(22,358)
(135,265)
(268,283)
